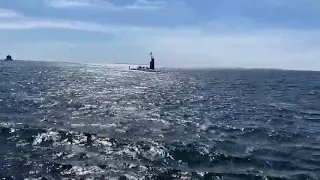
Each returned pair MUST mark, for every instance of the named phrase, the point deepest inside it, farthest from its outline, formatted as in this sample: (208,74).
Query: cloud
(102,4)
(65,24)
(68,3)
(144,4)
(8,13)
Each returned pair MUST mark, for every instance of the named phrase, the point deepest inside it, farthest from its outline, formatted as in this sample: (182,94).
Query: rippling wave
(71,121)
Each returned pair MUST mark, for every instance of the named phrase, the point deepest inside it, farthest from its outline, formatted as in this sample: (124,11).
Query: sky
(281,34)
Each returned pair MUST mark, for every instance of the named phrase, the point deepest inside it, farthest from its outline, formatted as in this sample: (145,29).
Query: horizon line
(171,67)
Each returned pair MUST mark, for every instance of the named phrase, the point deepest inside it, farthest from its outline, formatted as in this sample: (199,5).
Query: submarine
(8,58)
(151,67)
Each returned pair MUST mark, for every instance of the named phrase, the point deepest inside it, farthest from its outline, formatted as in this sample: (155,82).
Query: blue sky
(181,33)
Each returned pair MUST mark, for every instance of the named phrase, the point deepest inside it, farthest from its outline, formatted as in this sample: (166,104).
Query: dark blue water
(73,121)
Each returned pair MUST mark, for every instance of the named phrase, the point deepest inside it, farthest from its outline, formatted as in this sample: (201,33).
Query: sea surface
(82,121)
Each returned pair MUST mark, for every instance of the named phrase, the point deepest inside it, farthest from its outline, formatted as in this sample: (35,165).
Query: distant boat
(9,58)
(151,67)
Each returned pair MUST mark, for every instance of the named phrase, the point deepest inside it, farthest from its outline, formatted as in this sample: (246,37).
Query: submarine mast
(152,61)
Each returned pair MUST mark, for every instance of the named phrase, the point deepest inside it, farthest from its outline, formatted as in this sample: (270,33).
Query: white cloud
(68,3)
(144,4)
(8,13)
(102,4)
(64,24)
(195,46)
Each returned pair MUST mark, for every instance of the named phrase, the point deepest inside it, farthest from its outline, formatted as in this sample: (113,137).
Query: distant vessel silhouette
(8,58)
(152,61)
(151,67)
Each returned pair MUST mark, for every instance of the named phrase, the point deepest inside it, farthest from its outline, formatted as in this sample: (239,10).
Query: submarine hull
(145,70)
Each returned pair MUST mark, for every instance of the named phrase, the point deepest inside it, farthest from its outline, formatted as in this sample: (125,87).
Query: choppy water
(75,121)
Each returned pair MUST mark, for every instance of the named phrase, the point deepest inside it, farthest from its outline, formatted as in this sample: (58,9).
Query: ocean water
(77,121)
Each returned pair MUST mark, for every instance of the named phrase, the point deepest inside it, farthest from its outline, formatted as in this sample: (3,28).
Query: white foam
(50,135)
(81,170)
